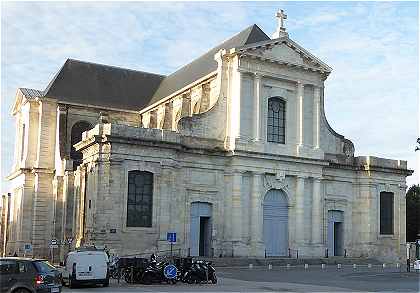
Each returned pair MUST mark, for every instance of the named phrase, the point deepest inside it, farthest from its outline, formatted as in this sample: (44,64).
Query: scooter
(200,271)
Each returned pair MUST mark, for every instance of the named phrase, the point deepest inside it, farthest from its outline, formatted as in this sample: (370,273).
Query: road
(281,279)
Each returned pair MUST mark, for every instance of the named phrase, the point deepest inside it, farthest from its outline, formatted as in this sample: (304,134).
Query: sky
(371,97)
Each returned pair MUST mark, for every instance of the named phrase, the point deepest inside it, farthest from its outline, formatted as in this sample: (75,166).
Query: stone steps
(245,262)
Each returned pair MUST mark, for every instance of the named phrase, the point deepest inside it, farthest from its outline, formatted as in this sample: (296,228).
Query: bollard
(306,266)
(326,252)
(265,253)
(354,266)
(345,253)
(270,266)
(288,266)
(383,265)
(297,254)
(289,253)
(251,266)
(323,266)
(369,265)
(339,266)
(189,252)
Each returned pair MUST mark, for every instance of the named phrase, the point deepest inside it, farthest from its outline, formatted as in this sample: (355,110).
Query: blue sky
(371,95)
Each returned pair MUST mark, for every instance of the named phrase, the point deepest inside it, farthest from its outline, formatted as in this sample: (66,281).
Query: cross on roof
(281,16)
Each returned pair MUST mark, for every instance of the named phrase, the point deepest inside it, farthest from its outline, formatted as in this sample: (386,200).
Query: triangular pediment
(23,95)
(287,51)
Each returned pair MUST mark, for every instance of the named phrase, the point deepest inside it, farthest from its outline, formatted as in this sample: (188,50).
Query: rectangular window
(276,120)
(386,213)
(140,199)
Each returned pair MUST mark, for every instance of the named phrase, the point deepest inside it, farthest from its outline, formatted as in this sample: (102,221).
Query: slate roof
(102,85)
(31,93)
(206,64)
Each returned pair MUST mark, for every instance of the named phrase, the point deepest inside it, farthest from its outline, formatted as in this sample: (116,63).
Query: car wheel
(214,279)
(72,283)
(21,290)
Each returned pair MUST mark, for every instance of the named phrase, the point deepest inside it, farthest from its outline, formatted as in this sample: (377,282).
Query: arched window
(276,120)
(386,211)
(140,199)
(76,136)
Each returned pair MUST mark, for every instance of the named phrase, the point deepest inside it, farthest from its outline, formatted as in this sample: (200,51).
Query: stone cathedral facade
(233,152)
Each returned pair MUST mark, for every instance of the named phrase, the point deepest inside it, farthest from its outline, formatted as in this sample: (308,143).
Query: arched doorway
(76,136)
(276,223)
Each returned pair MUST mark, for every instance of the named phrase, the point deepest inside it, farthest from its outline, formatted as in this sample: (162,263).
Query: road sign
(171,237)
(27,247)
(69,241)
(53,243)
(170,271)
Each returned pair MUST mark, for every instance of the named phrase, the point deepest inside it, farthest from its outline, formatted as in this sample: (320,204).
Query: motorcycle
(200,271)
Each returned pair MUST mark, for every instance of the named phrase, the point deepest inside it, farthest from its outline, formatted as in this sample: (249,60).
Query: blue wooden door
(198,210)
(276,223)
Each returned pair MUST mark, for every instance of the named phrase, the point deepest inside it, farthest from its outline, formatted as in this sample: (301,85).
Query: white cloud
(372,48)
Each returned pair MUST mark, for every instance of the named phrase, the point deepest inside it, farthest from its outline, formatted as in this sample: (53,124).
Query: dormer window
(276,120)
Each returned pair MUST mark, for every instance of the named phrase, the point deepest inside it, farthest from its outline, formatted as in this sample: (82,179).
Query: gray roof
(206,64)
(103,85)
(31,93)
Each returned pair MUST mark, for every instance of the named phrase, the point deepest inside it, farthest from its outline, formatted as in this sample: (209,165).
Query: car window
(7,267)
(44,266)
(22,267)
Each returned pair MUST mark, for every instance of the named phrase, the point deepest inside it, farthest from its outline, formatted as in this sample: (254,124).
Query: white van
(86,266)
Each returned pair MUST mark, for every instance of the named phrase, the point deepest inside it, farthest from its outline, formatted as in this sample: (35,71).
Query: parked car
(24,275)
(86,267)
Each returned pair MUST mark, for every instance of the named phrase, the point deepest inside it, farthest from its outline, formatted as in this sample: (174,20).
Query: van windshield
(44,266)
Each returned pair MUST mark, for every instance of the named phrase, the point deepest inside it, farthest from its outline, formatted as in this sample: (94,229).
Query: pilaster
(257,106)
(257,244)
(300,210)
(316,117)
(42,221)
(316,212)
(300,97)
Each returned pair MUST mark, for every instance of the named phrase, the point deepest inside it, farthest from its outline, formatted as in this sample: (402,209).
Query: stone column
(256,216)
(316,211)
(257,109)
(300,92)
(299,210)
(316,116)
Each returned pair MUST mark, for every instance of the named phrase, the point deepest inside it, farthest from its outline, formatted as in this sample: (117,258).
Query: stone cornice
(251,154)
(178,92)
(18,172)
(284,62)
(83,106)
(368,168)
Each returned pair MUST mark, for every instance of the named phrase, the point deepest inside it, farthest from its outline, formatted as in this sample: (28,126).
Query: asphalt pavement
(282,279)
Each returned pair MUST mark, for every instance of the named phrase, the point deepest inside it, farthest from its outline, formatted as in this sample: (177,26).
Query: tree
(413,213)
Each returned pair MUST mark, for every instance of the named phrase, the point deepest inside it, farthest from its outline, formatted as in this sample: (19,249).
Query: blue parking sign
(171,237)
(170,271)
